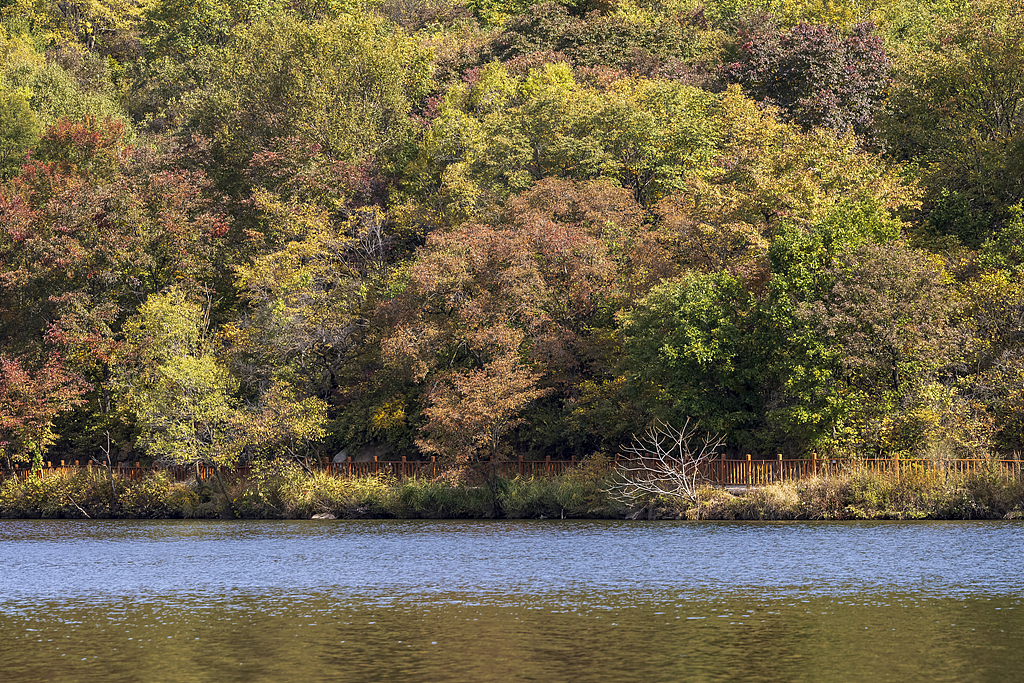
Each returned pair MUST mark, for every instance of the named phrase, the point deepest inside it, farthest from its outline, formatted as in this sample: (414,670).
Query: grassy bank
(281,491)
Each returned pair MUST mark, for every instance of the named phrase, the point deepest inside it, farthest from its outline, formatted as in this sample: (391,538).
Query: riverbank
(279,491)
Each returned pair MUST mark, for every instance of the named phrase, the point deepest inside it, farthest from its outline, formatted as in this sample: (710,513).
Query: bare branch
(666,461)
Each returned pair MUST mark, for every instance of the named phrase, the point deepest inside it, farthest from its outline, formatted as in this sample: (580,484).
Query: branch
(666,461)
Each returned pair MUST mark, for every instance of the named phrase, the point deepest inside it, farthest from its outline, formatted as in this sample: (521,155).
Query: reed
(281,490)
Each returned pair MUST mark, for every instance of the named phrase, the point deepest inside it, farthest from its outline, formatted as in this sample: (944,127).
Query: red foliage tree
(30,399)
(534,295)
(818,77)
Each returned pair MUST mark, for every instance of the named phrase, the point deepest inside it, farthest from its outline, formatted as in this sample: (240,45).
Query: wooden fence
(751,472)
(722,471)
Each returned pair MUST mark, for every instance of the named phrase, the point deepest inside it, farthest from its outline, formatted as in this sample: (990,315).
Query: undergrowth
(281,490)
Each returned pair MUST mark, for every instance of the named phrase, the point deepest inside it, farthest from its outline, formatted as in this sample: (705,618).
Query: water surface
(510,601)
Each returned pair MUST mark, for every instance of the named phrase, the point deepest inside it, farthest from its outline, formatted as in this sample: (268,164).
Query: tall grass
(913,494)
(280,490)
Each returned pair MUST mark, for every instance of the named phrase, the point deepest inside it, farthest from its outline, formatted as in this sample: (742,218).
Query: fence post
(750,471)
(780,467)
(547,461)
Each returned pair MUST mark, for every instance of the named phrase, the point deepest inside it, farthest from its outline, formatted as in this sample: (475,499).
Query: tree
(345,84)
(307,301)
(85,235)
(888,308)
(958,112)
(186,30)
(662,134)
(30,399)
(666,461)
(818,77)
(91,229)
(770,174)
(70,85)
(470,411)
(19,129)
(810,407)
(181,396)
(689,346)
(498,134)
(541,282)
(91,148)
(884,317)
(597,39)
(284,425)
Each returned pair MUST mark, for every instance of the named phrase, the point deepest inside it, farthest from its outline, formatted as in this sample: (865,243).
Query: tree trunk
(224,490)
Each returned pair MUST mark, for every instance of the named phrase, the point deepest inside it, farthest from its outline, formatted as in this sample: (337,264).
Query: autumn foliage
(492,230)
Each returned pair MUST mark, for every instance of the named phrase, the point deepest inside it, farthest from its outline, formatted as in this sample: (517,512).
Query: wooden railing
(751,472)
(723,471)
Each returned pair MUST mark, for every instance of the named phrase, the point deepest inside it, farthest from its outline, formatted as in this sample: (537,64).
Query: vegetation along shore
(286,491)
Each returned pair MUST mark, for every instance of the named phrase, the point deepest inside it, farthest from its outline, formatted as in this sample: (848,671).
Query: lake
(510,601)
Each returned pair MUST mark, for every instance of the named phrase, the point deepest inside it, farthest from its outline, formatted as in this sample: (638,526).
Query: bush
(156,496)
(278,490)
(532,497)
(61,494)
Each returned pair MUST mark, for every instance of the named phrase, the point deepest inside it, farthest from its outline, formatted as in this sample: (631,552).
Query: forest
(473,230)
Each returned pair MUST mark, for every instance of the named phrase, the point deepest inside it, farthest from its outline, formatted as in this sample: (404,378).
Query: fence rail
(722,471)
(762,472)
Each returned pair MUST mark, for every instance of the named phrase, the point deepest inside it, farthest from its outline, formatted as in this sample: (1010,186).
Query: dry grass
(283,490)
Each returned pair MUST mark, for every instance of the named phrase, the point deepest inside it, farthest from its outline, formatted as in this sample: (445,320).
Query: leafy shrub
(530,497)
(156,496)
(85,493)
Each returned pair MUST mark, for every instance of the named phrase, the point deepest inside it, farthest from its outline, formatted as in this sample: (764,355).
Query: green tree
(959,114)
(346,85)
(308,301)
(770,174)
(185,30)
(182,397)
(690,348)
(881,325)
(500,134)
(19,129)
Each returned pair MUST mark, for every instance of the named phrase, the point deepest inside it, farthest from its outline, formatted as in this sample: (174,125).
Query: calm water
(510,601)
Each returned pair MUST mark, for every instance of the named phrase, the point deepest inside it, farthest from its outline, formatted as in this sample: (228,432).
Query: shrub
(156,496)
(530,497)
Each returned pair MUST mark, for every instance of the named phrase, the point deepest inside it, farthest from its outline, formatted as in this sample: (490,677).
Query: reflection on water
(509,601)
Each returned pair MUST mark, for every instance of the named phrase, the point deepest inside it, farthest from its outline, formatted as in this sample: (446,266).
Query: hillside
(474,230)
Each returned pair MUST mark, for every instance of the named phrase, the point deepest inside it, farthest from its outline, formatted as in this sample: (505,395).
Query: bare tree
(666,461)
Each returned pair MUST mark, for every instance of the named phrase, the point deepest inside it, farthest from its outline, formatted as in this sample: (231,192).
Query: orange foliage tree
(495,317)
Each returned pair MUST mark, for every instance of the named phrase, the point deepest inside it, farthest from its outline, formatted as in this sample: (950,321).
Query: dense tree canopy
(476,230)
